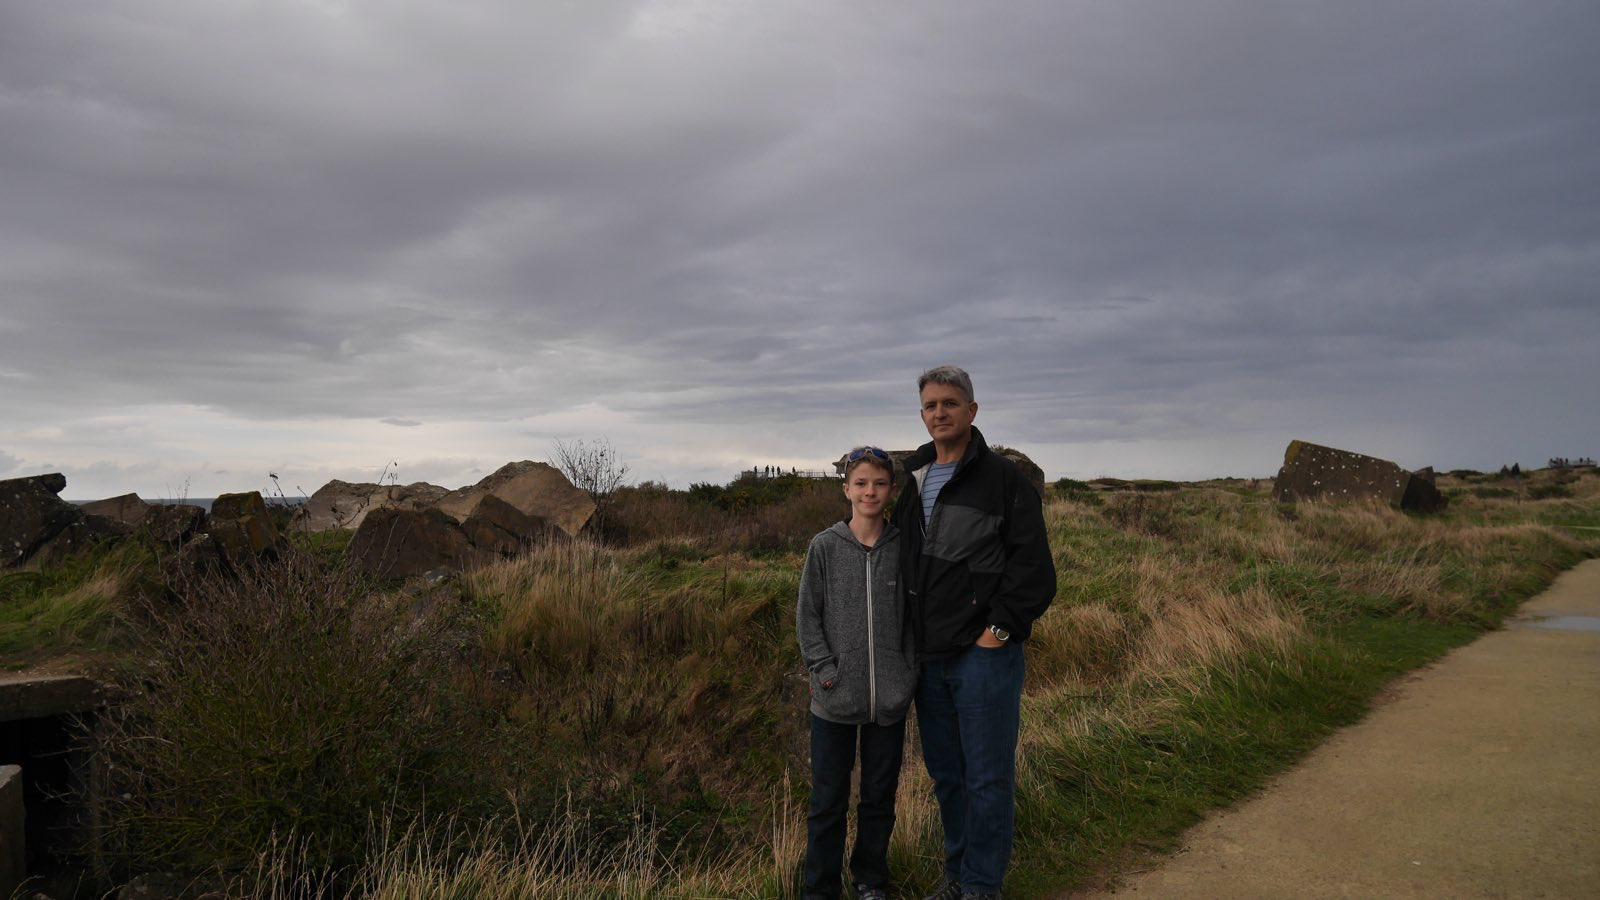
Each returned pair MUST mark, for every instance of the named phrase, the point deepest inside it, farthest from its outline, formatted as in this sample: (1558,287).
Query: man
(977,568)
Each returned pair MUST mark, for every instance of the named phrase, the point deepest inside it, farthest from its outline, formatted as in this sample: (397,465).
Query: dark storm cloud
(1130,220)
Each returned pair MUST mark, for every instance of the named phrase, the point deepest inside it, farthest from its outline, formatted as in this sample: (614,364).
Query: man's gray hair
(951,375)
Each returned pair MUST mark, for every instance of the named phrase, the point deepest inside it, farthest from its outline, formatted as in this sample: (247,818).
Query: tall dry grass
(455,859)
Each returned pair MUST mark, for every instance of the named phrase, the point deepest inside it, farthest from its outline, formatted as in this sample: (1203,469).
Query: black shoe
(870,893)
(974,895)
(949,889)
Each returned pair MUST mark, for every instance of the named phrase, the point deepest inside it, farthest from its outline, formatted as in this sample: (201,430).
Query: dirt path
(1478,776)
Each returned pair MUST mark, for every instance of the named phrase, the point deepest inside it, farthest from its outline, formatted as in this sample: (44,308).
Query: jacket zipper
(872,661)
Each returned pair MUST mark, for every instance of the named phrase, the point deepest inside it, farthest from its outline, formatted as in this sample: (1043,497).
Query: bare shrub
(594,468)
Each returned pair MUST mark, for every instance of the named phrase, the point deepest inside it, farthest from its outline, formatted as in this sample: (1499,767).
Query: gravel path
(1475,777)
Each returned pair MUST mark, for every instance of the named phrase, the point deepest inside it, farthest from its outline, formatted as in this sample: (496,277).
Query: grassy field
(593,721)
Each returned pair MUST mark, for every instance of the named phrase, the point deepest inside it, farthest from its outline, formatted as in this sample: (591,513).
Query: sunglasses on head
(866,451)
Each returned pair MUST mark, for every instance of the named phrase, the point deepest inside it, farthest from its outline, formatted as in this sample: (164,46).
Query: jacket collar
(842,531)
(926,454)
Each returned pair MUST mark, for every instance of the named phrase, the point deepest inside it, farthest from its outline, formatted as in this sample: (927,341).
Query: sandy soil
(1478,776)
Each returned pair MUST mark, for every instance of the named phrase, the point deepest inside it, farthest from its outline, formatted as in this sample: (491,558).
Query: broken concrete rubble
(400,543)
(31,513)
(127,509)
(1314,472)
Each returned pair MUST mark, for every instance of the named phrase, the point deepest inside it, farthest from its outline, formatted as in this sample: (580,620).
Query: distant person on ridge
(977,572)
(854,635)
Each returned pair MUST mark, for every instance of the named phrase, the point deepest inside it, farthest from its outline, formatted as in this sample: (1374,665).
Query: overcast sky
(316,238)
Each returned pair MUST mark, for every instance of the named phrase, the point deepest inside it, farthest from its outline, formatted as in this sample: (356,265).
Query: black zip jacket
(982,559)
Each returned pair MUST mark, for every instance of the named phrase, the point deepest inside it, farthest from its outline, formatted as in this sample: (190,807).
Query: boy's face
(867,487)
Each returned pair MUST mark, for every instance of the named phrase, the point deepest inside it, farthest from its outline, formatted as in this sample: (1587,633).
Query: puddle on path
(1566,623)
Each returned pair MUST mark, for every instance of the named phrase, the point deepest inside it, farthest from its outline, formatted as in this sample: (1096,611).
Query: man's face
(946,412)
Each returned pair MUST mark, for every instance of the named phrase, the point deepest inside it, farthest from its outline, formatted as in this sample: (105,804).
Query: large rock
(343,504)
(127,509)
(400,543)
(31,513)
(534,488)
(1028,466)
(243,529)
(1314,472)
(496,526)
(237,536)
(174,523)
(1422,492)
(78,538)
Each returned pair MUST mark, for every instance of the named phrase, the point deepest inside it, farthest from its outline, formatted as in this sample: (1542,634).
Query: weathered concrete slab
(400,543)
(498,527)
(1314,472)
(76,539)
(128,509)
(24,696)
(13,846)
(32,513)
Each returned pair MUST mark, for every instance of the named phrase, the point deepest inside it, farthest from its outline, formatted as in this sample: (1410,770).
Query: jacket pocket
(846,701)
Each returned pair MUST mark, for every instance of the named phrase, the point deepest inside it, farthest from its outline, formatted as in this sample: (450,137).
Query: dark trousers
(968,714)
(833,756)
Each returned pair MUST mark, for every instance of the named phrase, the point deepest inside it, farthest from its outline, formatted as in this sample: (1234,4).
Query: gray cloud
(1134,222)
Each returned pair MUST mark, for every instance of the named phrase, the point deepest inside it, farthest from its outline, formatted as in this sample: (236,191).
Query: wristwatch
(1000,634)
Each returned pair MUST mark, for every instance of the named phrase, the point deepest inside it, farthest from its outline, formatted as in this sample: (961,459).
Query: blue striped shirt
(938,474)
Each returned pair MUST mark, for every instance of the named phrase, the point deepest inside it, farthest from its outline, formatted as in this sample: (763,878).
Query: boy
(855,637)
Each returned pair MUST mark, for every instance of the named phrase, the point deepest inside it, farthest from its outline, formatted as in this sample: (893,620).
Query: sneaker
(949,889)
(974,895)
(870,893)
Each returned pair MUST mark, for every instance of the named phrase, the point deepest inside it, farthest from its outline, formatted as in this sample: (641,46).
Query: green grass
(71,608)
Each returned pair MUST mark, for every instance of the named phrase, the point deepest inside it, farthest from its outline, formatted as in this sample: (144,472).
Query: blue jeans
(968,709)
(833,756)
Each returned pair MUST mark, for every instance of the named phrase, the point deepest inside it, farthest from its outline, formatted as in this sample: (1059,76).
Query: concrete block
(1314,472)
(25,696)
(13,849)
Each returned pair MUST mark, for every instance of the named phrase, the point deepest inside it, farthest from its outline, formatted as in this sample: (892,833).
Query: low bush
(749,515)
(292,704)
(1549,492)
(1142,513)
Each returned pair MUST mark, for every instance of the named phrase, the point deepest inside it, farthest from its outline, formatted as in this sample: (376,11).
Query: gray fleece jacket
(853,629)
